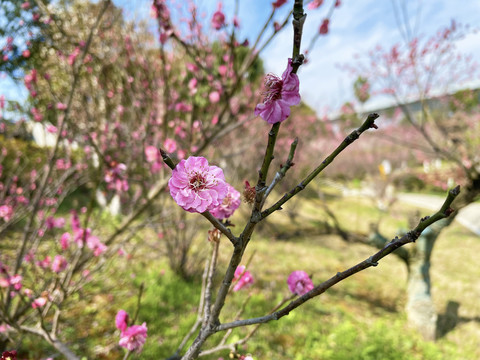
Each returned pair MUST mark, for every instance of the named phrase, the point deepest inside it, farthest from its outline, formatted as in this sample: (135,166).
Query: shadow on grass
(450,319)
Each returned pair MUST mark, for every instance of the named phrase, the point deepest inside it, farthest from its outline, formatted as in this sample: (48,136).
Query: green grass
(361,318)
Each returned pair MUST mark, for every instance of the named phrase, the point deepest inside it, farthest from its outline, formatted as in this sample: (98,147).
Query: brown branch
(373,260)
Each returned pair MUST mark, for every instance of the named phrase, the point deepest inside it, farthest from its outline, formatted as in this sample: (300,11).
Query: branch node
(449,211)
(413,235)
(371,262)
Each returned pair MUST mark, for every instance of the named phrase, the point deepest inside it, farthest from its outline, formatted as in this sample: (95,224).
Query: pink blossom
(183,107)
(4,282)
(121,320)
(151,153)
(25,5)
(52,222)
(230,203)
(222,70)
(299,282)
(218,18)
(214,97)
(315,4)
(170,145)
(6,212)
(279,96)
(192,85)
(51,129)
(9,355)
(39,302)
(243,278)
(61,106)
(278,3)
(134,337)
(30,78)
(59,263)
(236,21)
(16,282)
(45,263)
(196,186)
(26,53)
(324,27)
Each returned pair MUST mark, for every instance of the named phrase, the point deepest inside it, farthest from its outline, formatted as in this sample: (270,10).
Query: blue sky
(356,27)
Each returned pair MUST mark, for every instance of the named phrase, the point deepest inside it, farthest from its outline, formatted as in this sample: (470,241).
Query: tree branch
(396,243)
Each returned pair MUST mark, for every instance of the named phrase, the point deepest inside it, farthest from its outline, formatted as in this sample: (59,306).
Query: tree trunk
(420,308)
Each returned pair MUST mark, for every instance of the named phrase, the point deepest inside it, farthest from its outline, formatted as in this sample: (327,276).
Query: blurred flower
(230,203)
(6,212)
(151,153)
(59,263)
(214,97)
(133,338)
(299,282)
(218,18)
(279,96)
(278,3)
(196,186)
(65,240)
(324,27)
(243,278)
(170,145)
(121,320)
(9,355)
(39,302)
(315,4)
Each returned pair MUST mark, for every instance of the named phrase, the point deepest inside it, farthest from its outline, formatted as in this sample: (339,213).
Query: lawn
(360,318)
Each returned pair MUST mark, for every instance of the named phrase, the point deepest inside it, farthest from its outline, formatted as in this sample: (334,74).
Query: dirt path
(468,216)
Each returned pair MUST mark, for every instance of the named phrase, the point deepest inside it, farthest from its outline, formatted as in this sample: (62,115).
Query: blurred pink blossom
(218,18)
(278,3)
(299,282)
(6,212)
(59,263)
(121,320)
(315,4)
(134,337)
(170,145)
(151,153)
(39,302)
(242,277)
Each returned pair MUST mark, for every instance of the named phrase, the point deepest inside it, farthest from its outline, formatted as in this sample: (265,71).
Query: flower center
(197,182)
(274,88)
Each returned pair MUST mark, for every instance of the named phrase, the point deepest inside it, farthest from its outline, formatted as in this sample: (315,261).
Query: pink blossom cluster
(198,187)
(131,337)
(6,212)
(14,283)
(81,236)
(115,177)
(242,277)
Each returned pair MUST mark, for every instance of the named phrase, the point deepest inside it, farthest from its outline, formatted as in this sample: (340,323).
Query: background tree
(416,75)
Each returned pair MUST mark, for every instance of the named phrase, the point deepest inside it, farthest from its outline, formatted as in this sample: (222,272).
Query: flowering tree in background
(417,75)
(127,120)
